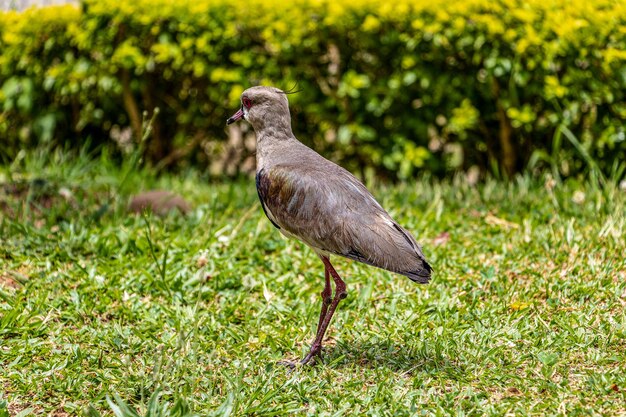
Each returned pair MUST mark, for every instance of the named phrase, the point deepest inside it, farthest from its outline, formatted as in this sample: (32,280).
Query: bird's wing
(334,213)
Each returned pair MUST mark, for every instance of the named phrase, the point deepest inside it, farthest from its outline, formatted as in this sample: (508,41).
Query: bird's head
(264,107)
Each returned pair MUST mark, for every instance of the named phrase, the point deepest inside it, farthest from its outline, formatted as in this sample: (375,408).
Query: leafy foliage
(400,86)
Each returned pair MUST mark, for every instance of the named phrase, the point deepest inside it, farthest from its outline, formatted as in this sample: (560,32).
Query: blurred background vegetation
(386,88)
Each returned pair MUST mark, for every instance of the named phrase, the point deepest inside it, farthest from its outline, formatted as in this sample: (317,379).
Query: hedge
(403,86)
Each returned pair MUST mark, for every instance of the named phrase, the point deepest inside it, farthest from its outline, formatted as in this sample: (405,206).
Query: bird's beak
(235,117)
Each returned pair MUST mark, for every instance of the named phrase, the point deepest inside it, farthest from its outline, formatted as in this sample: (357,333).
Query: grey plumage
(320,203)
(327,208)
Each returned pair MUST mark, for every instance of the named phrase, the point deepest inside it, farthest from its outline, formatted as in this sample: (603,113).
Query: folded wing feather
(338,217)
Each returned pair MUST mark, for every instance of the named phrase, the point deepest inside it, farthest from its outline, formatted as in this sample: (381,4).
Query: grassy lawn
(102,311)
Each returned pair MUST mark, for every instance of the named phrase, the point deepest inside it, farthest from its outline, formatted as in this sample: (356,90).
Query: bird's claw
(288,364)
(311,358)
(314,354)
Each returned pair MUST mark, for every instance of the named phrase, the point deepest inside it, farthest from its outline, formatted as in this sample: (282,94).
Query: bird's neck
(271,145)
(278,129)
(273,135)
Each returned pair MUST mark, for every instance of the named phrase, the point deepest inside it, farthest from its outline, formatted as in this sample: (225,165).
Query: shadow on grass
(424,359)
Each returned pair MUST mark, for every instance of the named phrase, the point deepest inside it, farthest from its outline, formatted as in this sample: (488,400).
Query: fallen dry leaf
(442,239)
(518,305)
(7,281)
(496,221)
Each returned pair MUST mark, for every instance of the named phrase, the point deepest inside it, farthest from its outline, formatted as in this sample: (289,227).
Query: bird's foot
(288,364)
(314,353)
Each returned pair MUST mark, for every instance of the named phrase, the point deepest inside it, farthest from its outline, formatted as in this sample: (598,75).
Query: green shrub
(400,86)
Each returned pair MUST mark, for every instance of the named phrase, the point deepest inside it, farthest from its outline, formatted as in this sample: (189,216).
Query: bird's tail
(421,275)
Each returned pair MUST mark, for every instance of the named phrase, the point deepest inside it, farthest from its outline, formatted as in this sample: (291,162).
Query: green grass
(103,312)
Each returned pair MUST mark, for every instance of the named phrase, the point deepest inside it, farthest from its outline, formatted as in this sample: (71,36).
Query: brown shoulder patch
(263,186)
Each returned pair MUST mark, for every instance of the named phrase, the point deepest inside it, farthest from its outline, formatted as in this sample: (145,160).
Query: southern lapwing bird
(312,199)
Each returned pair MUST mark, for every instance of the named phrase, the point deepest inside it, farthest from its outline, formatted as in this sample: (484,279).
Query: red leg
(326,296)
(340,294)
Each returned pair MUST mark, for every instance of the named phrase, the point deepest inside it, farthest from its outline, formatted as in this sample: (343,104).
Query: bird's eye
(247,103)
